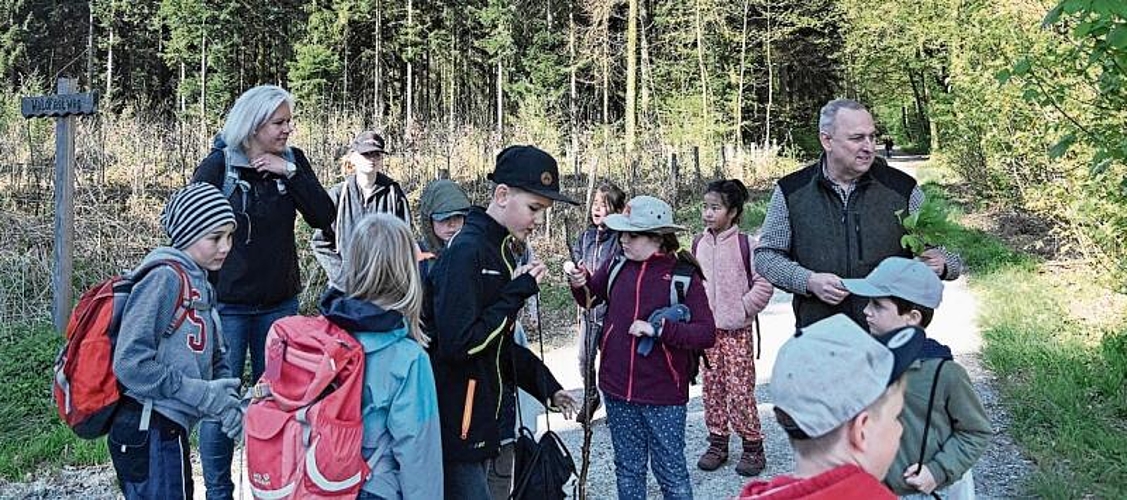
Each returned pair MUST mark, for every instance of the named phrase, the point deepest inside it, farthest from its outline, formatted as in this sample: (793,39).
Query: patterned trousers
(729,387)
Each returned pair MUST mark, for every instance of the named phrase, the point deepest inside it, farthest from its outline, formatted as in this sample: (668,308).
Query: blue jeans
(152,463)
(648,433)
(244,326)
(466,480)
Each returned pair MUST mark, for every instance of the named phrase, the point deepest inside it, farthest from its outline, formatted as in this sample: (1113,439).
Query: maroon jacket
(640,288)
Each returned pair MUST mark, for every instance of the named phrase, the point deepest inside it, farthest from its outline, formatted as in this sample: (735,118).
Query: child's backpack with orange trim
(85,388)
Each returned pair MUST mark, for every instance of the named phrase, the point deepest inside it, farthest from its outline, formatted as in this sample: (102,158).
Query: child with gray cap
(169,356)
(650,333)
(838,393)
(946,429)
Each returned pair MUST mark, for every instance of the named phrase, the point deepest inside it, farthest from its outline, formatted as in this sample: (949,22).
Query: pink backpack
(304,427)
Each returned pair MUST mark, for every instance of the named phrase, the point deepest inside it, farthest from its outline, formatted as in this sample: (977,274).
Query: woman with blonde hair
(268,183)
(379,304)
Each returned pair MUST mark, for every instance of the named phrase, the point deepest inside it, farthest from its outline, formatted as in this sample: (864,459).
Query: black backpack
(678,287)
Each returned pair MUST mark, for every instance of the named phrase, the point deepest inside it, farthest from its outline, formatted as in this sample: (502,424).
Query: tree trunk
(739,113)
(631,74)
(203,91)
(500,102)
(410,76)
(109,58)
(572,107)
(183,75)
(90,49)
(378,95)
(700,60)
(606,80)
(770,83)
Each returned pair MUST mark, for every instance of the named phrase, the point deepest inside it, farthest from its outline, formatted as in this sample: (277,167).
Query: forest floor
(999,474)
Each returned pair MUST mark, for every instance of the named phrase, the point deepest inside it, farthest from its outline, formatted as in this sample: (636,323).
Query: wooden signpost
(63,107)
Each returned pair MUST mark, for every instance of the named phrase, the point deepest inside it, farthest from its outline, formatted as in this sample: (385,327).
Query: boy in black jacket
(476,289)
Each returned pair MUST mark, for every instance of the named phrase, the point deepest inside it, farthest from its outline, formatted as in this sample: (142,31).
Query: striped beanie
(194,211)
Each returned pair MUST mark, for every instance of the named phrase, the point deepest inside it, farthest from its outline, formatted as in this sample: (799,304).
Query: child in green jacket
(946,429)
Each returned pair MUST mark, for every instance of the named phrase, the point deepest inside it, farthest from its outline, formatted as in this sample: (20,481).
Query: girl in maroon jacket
(647,346)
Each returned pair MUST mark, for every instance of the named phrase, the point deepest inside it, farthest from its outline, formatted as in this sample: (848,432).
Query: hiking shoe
(716,454)
(753,460)
(593,404)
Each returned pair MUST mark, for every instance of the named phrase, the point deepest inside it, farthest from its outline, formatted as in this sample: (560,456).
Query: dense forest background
(1022,99)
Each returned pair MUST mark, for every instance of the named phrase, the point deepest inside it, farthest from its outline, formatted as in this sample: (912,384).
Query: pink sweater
(734,304)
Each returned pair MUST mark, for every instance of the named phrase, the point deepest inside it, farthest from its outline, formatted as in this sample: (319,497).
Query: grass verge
(32,433)
(1058,345)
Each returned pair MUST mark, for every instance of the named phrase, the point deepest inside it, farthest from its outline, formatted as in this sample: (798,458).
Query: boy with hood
(946,429)
(844,435)
(442,213)
(477,288)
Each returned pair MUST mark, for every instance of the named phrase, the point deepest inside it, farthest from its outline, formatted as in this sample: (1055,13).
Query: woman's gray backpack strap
(231,179)
(927,417)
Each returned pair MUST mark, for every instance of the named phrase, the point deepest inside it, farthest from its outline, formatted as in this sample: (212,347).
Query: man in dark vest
(836,218)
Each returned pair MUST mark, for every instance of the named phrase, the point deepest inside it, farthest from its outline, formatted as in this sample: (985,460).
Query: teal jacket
(402,439)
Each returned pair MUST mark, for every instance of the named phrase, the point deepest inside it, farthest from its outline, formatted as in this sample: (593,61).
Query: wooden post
(63,107)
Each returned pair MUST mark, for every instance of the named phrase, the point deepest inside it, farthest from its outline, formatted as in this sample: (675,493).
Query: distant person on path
(380,306)
(173,372)
(888,146)
(477,288)
(648,345)
(365,190)
(835,219)
(594,248)
(269,183)
(838,393)
(443,207)
(736,297)
(904,292)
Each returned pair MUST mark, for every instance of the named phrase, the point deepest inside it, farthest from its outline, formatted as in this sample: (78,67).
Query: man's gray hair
(250,111)
(829,113)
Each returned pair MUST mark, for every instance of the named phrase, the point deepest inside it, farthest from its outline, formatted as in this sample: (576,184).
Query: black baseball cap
(368,141)
(531,169)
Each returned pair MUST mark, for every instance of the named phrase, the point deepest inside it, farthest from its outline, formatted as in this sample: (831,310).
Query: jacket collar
(726,234)
(357,315)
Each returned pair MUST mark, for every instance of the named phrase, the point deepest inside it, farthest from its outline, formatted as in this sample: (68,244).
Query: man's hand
(935,260)
(535,268)
(567,404)
(827,287)
(922,480)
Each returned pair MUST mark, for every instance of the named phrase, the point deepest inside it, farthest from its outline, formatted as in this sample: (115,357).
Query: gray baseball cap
(832,370)
(907,279)
(644,214)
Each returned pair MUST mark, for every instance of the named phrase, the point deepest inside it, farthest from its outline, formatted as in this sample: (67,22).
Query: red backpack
(85,388)
(304,426)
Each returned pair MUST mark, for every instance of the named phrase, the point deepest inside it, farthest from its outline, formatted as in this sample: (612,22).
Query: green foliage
(33,433)
(925,228)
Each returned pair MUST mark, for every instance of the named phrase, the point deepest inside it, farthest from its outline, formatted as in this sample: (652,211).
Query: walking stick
(588,317)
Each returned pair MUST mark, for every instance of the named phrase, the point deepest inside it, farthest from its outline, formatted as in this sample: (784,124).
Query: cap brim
(623,224)
(446,215)
(369,149)
(547,193)
(863,288)
(906,345)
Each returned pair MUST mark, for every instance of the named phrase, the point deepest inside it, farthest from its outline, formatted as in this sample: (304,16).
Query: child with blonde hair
(380,305)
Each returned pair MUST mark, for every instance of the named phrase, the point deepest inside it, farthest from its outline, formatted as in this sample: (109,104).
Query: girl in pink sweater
(736,293)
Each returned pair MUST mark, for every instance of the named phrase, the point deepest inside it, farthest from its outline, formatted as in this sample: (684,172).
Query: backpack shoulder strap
(185,303)
(230,175)
(679,282)
(615,267)
(930,405)
(745,254)
(696,242)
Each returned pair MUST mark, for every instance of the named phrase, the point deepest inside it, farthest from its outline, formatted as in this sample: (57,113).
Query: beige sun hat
(644,214)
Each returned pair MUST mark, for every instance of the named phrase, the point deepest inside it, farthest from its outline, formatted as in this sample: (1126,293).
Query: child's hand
(576,275)
(640,328)
(566,403)
(535,268)
(923,480)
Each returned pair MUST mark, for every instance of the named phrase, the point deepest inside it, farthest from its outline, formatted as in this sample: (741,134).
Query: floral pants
(729,387)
